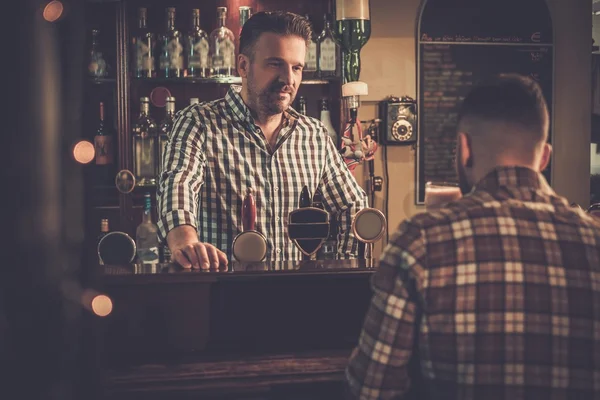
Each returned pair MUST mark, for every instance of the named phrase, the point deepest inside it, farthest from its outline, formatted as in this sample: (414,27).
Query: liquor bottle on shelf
(103,141)
(104,230)
(325,118)
(144,146)
(143,48)
(164,130)
(310,65)
(194,100)
(222,47)
(327,50)
(301,105)
(171,55)
(197,48)
(352,31)
(146,236)
(245,14)
(97,66)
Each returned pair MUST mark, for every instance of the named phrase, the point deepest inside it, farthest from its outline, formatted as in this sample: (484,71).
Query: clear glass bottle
(222,47)
(97,66)
(325,118)
(328,51)
(301,105)
(144,146)
(197,49)
(171,55)
(310,64)
(164,130)
(245,14)
(143,44)
(146,236)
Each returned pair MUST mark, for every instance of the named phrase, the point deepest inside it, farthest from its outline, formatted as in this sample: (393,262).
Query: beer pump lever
(249,245)
(308,226)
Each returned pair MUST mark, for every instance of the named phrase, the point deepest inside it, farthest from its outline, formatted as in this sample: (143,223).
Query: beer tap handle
(249,211)
(305,198)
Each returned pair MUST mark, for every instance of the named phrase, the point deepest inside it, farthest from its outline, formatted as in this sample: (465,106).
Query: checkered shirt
(216,151)
(495,297)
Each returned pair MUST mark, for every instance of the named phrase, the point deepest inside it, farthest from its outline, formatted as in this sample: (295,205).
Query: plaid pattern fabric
(215,152)
(496,296)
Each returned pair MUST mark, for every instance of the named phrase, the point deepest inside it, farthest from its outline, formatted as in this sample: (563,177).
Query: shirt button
(276,188)
(277,219)
(278,251)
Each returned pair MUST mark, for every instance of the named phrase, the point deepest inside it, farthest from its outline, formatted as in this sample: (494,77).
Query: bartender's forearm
(347,243)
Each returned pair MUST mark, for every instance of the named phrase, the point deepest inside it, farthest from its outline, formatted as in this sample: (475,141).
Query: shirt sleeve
(379,366)
(344,196)
(182,174)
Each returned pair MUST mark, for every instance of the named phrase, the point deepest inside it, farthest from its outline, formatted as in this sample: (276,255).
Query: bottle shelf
(224,80)
(102,81)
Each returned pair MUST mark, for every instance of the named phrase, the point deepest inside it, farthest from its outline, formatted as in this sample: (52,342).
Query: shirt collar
(513,177)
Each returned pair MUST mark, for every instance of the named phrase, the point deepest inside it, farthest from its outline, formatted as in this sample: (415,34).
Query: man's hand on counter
(189,252)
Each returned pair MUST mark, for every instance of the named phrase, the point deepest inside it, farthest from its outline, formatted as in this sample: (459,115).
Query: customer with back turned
(496,295)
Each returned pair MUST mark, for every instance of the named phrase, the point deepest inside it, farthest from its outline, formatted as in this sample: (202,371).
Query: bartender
(252,139)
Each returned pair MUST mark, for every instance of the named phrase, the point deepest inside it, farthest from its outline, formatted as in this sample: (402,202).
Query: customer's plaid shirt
(215,152)
(495,297)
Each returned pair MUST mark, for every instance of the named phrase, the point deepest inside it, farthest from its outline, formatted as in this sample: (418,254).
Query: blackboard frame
(544,40)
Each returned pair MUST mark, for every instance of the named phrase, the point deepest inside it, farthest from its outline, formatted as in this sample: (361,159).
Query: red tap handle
(249,211)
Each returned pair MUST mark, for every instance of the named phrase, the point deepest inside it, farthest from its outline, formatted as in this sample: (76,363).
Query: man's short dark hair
(508,99)
(279,22)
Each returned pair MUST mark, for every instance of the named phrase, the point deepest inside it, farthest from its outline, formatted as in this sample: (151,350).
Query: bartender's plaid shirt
(496,296)
(215,152)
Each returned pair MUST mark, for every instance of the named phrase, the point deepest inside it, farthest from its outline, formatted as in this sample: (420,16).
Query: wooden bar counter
(281,330)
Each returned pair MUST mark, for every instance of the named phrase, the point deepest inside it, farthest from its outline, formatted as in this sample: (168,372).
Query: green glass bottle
(352,31)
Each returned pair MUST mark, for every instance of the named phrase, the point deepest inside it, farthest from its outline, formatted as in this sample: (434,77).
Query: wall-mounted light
(83,151)
(53,11)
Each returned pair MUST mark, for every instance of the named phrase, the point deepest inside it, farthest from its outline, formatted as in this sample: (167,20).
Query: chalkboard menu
(462,42)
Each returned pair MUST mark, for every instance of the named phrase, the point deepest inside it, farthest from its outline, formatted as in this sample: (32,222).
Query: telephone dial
(399,117)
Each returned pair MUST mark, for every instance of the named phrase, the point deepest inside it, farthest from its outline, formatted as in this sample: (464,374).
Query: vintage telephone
(399,120)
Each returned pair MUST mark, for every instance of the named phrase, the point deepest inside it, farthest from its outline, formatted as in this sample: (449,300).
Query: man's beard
(463,180)
(267,101)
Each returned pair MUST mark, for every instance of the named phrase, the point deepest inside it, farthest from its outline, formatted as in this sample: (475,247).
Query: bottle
(194,100)
(245,14)
(104,230)
(103,142)
(171,55)
(327,50)
(352,31)
(164,130)
(197,48)
(146,236)
(222,47)
(143,48)
(310,64)
(97,67)
(301,105)
(325,118)
(144,146)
